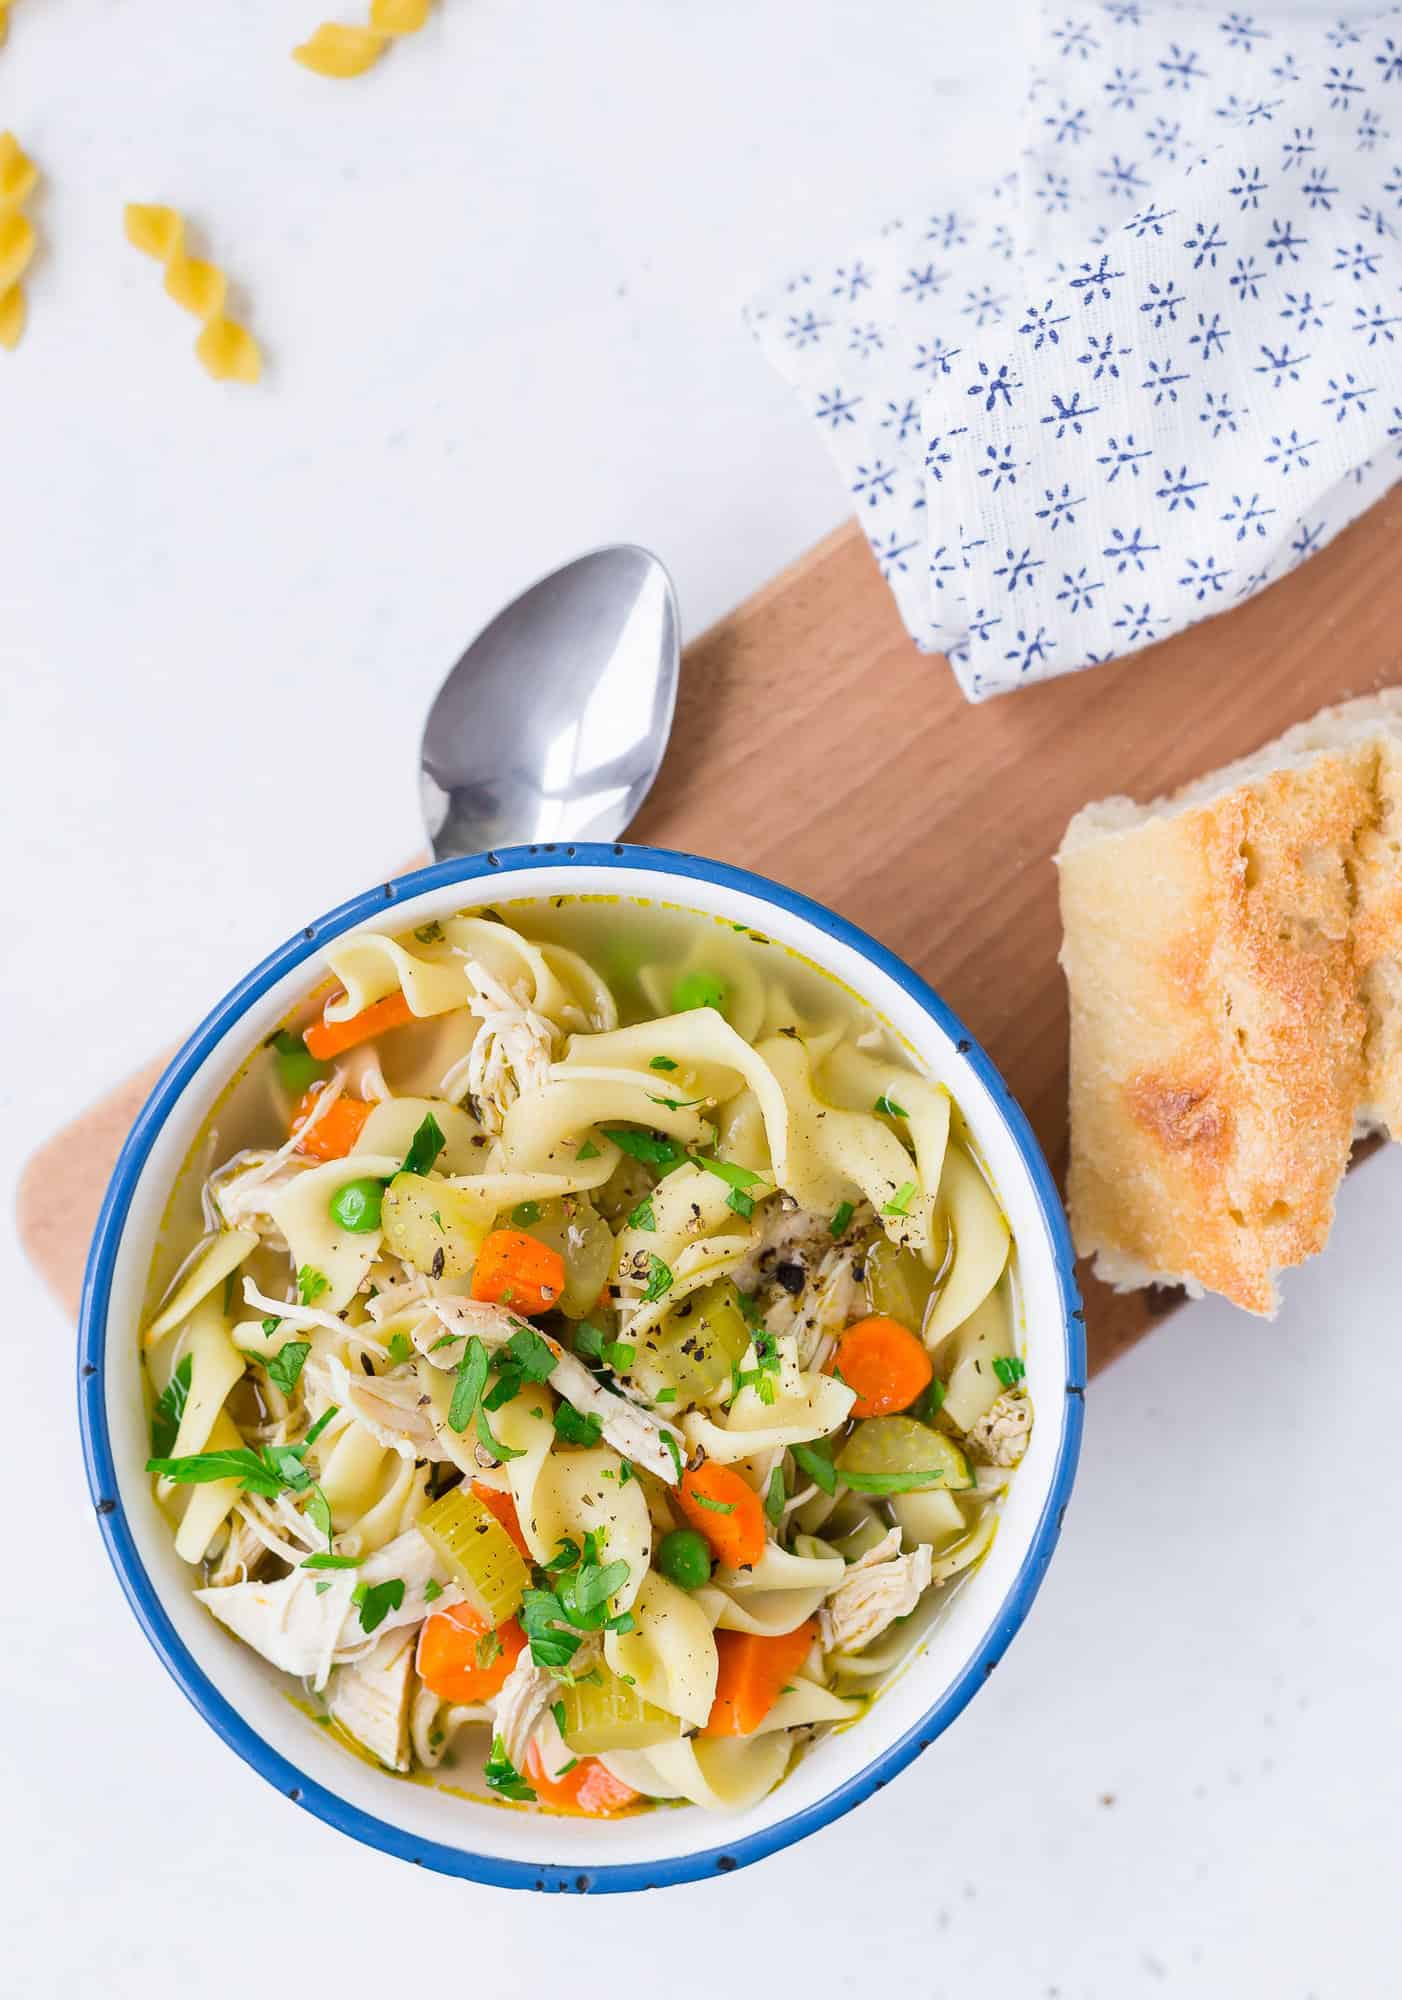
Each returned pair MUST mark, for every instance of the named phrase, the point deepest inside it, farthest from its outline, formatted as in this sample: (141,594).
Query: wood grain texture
(814,744)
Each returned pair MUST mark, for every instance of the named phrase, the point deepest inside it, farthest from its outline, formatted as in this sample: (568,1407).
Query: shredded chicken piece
(298,1315)
(241,1194)
(270,1164)
(523,1704)
(433,1723)
(393,1408)
(880,1587)
(1000,1435)
(793,1239)
(396,1298)
(242,1555)
(511,1052)
(305,1631)
(370,1699)
(633,1431)
(816,1317)
(279,1525)
(461,1317)
(630,1429)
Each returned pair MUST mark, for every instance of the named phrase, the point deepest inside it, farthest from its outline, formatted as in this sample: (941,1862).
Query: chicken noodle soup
(582,1354)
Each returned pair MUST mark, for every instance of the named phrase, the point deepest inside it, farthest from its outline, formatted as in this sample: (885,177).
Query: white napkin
(1147,373)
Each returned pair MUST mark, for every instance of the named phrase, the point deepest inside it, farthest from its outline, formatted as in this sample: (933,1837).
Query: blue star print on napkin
(1148,373)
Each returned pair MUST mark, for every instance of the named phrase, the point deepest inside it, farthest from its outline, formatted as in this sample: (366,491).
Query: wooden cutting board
(814,744)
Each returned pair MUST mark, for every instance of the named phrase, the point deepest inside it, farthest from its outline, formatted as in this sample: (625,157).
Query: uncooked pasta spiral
(340,51)
(18,179)
(225,349)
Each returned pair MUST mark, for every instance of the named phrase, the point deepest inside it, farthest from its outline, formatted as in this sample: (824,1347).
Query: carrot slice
(504,1507)
(331,1038)
(588,1787)
(519,1271)
(447,1660)
(885,1363)
(754,1671)
(335,1135)
(726,1509)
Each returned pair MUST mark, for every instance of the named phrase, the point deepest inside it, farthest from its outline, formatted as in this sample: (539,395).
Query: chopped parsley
(571,1427)
(202,1468)
(650,1147)
(890,1107)
(733,1176)
(588,1151)
(642,1216)
(425,1146)
(742,1203)
(400,1349)
(170,1408)
(554,1620)
(488,1648)
(659,1281)
(375,1601)
(320,1425)
(331,1562)
(471,1379)
(662,1062)
(557,1709)
(930,1399)
(319,1512)
(525,1213)
(270,1326)
(665,1396)
(818,1466)
(433,1588)
(1009,1369)
(311,1283)
(841,1216)
(899,1204)
(699,1499)
(619,1355)
(503,1778)
(675,1103)
(287,1364)
(430,933)
(675,1449)
(526,1357)
(775,1495)
(500,1452)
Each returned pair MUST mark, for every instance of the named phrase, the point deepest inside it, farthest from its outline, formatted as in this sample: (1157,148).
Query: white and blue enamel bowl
(246,1701)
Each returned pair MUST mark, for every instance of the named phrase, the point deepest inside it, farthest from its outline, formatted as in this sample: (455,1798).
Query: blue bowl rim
(101,1472)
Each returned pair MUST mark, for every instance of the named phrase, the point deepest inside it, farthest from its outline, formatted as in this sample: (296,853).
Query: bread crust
(1234,962)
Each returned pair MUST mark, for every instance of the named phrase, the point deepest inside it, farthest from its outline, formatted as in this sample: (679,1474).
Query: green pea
(297,1068)
(356,1205)
(699,989)
(685,1558)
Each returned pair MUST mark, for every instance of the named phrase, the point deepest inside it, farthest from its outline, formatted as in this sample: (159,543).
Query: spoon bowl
(552,725)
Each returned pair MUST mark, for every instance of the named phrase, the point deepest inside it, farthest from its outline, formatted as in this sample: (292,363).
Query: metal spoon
(553,723)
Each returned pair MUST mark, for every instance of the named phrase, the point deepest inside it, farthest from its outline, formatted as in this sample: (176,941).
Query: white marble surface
(497,283)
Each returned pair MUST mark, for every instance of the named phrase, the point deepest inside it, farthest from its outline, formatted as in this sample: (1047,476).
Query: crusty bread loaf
(1234,960)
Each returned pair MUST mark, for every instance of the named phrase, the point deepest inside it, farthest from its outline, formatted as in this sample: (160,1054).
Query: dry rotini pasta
(340,51)
(18,179)
(225,349)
